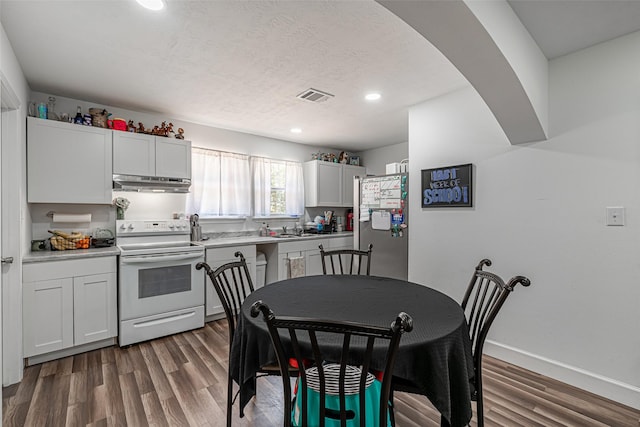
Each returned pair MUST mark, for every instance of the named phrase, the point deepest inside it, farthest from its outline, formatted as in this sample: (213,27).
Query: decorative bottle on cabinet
(78,118)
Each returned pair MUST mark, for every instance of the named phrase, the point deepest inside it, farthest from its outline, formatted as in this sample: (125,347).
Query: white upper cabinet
(149,155)
(173,158)
(134,154)
(329,184)
(68,163)
(348,173)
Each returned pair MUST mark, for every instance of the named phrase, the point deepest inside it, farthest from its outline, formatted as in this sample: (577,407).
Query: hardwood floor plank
(77,388)
(79,362)
(59,399)
(181,381)
(76,415)
(39,408)
(174,351)
(133,407)
(49,368)
(27,385)
(153,410)
(173,412)
(123,361)
(96,403)
(113,393)
(163,355)
(156,373)
(15,415)
(141,370)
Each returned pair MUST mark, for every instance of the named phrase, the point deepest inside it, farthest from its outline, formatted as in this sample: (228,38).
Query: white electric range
(160,292)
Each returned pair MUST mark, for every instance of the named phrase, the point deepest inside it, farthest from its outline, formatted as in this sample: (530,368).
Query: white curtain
(261,172)
(235,182)
(204,195)
(294,197)
(220,184)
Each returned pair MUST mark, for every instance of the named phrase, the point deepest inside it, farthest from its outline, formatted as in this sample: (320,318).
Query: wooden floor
(181,380)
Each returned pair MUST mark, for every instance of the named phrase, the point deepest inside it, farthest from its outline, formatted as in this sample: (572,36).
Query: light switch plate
(615,215)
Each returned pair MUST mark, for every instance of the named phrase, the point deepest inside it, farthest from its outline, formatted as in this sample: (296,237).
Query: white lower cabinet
(310,251)
(215,258)
(68,303)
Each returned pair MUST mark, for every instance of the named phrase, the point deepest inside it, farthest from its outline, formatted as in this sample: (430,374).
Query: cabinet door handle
(7,260)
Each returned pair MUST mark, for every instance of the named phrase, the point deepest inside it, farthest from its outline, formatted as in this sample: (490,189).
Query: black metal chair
(351,258)
(233,284)
(333,372)
(482,301)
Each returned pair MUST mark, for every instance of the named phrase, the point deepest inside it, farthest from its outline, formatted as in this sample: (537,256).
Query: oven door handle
(160,258)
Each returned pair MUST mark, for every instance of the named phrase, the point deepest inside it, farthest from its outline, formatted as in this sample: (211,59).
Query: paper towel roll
(63,217)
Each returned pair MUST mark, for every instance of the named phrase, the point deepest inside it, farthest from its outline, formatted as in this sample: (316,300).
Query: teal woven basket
(332,400)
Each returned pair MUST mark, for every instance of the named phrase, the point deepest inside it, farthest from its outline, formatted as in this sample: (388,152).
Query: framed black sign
(447,187)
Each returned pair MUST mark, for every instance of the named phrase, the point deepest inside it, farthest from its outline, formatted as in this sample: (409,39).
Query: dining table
(434,359)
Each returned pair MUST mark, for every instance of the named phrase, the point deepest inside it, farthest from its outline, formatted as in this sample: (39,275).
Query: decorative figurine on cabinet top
(343,158)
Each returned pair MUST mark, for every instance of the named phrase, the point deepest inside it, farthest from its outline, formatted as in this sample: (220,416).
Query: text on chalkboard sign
(447,187)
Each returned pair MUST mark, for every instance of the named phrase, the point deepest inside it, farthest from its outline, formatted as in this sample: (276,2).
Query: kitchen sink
(291,235)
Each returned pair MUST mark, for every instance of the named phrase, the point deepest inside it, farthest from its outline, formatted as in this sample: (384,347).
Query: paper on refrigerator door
(381,220)
(364,213)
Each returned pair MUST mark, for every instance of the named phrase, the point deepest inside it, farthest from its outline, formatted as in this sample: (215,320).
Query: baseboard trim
(609,388)
(59,354)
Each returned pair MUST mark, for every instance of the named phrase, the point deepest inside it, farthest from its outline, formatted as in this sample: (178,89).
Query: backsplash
(143,206)
(102,216)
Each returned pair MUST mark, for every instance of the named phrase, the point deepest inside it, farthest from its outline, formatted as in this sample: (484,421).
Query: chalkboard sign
(447,187)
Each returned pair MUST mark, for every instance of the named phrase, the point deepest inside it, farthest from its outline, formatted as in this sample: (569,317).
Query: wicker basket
(99,117)
(59,243)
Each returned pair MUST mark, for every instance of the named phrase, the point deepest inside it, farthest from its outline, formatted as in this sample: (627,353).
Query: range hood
(151,184)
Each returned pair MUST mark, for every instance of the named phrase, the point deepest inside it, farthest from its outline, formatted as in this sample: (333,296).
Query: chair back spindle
(346,261)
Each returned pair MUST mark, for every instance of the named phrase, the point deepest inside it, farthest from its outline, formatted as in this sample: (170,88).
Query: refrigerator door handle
(356,212)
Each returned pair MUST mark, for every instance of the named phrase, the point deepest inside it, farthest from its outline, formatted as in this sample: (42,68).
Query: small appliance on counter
(102,238)
(196,232)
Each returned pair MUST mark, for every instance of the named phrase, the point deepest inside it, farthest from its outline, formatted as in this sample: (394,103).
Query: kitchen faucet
(297,231)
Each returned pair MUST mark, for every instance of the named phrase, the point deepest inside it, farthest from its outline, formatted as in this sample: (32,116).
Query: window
(278,187)
(220,184)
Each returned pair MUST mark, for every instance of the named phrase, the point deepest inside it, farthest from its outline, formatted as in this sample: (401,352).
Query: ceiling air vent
(314,95)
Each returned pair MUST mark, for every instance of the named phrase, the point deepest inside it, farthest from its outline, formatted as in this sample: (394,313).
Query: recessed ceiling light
(372,96)
(296,130)
(151,4)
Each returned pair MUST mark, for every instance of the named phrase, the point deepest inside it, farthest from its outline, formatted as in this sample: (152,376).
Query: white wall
(376,160)
(539,211)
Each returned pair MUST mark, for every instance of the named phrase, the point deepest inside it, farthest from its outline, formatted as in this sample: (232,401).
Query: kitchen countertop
(41,256)
(220,242)
(213,242)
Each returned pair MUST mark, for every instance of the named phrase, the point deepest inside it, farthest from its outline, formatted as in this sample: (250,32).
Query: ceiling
(239,65)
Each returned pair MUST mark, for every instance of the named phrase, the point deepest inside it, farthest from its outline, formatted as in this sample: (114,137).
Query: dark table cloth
(435,358)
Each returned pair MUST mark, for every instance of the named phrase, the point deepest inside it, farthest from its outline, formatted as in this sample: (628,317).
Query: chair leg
(479,407)
(229,399)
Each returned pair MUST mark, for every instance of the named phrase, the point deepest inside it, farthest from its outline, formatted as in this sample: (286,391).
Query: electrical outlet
(615,215)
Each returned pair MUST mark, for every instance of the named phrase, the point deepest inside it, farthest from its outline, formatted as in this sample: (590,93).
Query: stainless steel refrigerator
(381,217)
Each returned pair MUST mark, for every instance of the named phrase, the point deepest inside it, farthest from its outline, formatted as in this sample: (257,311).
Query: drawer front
(227,254)
(68,268)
